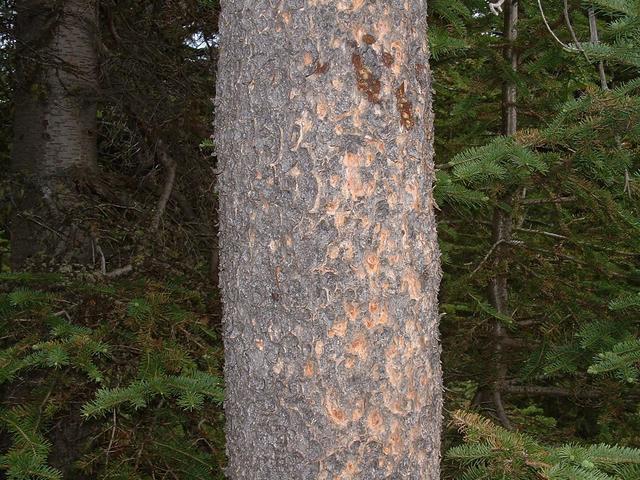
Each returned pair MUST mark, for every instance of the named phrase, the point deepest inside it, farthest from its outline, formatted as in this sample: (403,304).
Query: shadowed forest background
(111,360)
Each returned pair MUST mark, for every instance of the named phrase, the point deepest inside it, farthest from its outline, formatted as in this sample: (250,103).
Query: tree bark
(54,148)
(329,261)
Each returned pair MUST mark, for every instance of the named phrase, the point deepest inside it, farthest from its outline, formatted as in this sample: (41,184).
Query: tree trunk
(502,223)
(54,148)
(329,261)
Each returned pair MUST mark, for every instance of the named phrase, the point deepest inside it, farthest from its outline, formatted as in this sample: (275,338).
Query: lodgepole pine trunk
(329,262)
(54,148)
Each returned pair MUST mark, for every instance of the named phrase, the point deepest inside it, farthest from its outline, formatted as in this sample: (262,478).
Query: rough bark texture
(54,146)
(329,261)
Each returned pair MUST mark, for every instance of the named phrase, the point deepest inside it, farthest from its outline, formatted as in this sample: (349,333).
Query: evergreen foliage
(568,184)
(154,386)
(493,452)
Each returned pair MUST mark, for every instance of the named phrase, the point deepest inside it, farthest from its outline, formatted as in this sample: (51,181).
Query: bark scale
(54,148)
(329,261)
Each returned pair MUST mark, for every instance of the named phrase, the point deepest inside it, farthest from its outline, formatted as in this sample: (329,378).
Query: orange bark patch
(394,374)
(336,414)
(321,110)
(368,322)
(307,59)
(352,311)
(394,443)
(367,82)
(387,59)
(382,28)
(411,188)
(368,39)
(374,307)
(375,422)
(338,329)
(340,219)
(319,348)
(354,184)
(383,237)
(277,368)
(351,160)
(372,263)
(379,314)
(349,471)
(359,347)
(357,4)
(309,369)
(412,285)
(405,107)
(332,207)
(321,68)
(383,316)
(348,250)
(260,344)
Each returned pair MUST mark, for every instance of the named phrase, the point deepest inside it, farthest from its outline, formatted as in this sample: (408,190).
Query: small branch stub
(496,7)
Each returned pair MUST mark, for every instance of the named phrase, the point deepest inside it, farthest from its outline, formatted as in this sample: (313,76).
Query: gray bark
(329,261)
(54,147)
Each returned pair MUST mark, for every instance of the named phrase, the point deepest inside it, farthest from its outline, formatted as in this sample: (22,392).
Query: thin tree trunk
(54,147)
(329,261)
(502,221)
(593,30)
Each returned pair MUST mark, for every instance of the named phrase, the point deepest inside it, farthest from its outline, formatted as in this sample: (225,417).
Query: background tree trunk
(502,223)
(54,146)
(329,261)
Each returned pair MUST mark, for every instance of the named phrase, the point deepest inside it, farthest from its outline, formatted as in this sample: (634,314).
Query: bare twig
(578,242)
(550,391)
(539,201)
(170,165)
(544,19)
(496,7)
(487,256)
(593,28)
(113,436)
(567,20)
(119,271)
(103,260)
(32,218)
(627,182)
(493,249)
